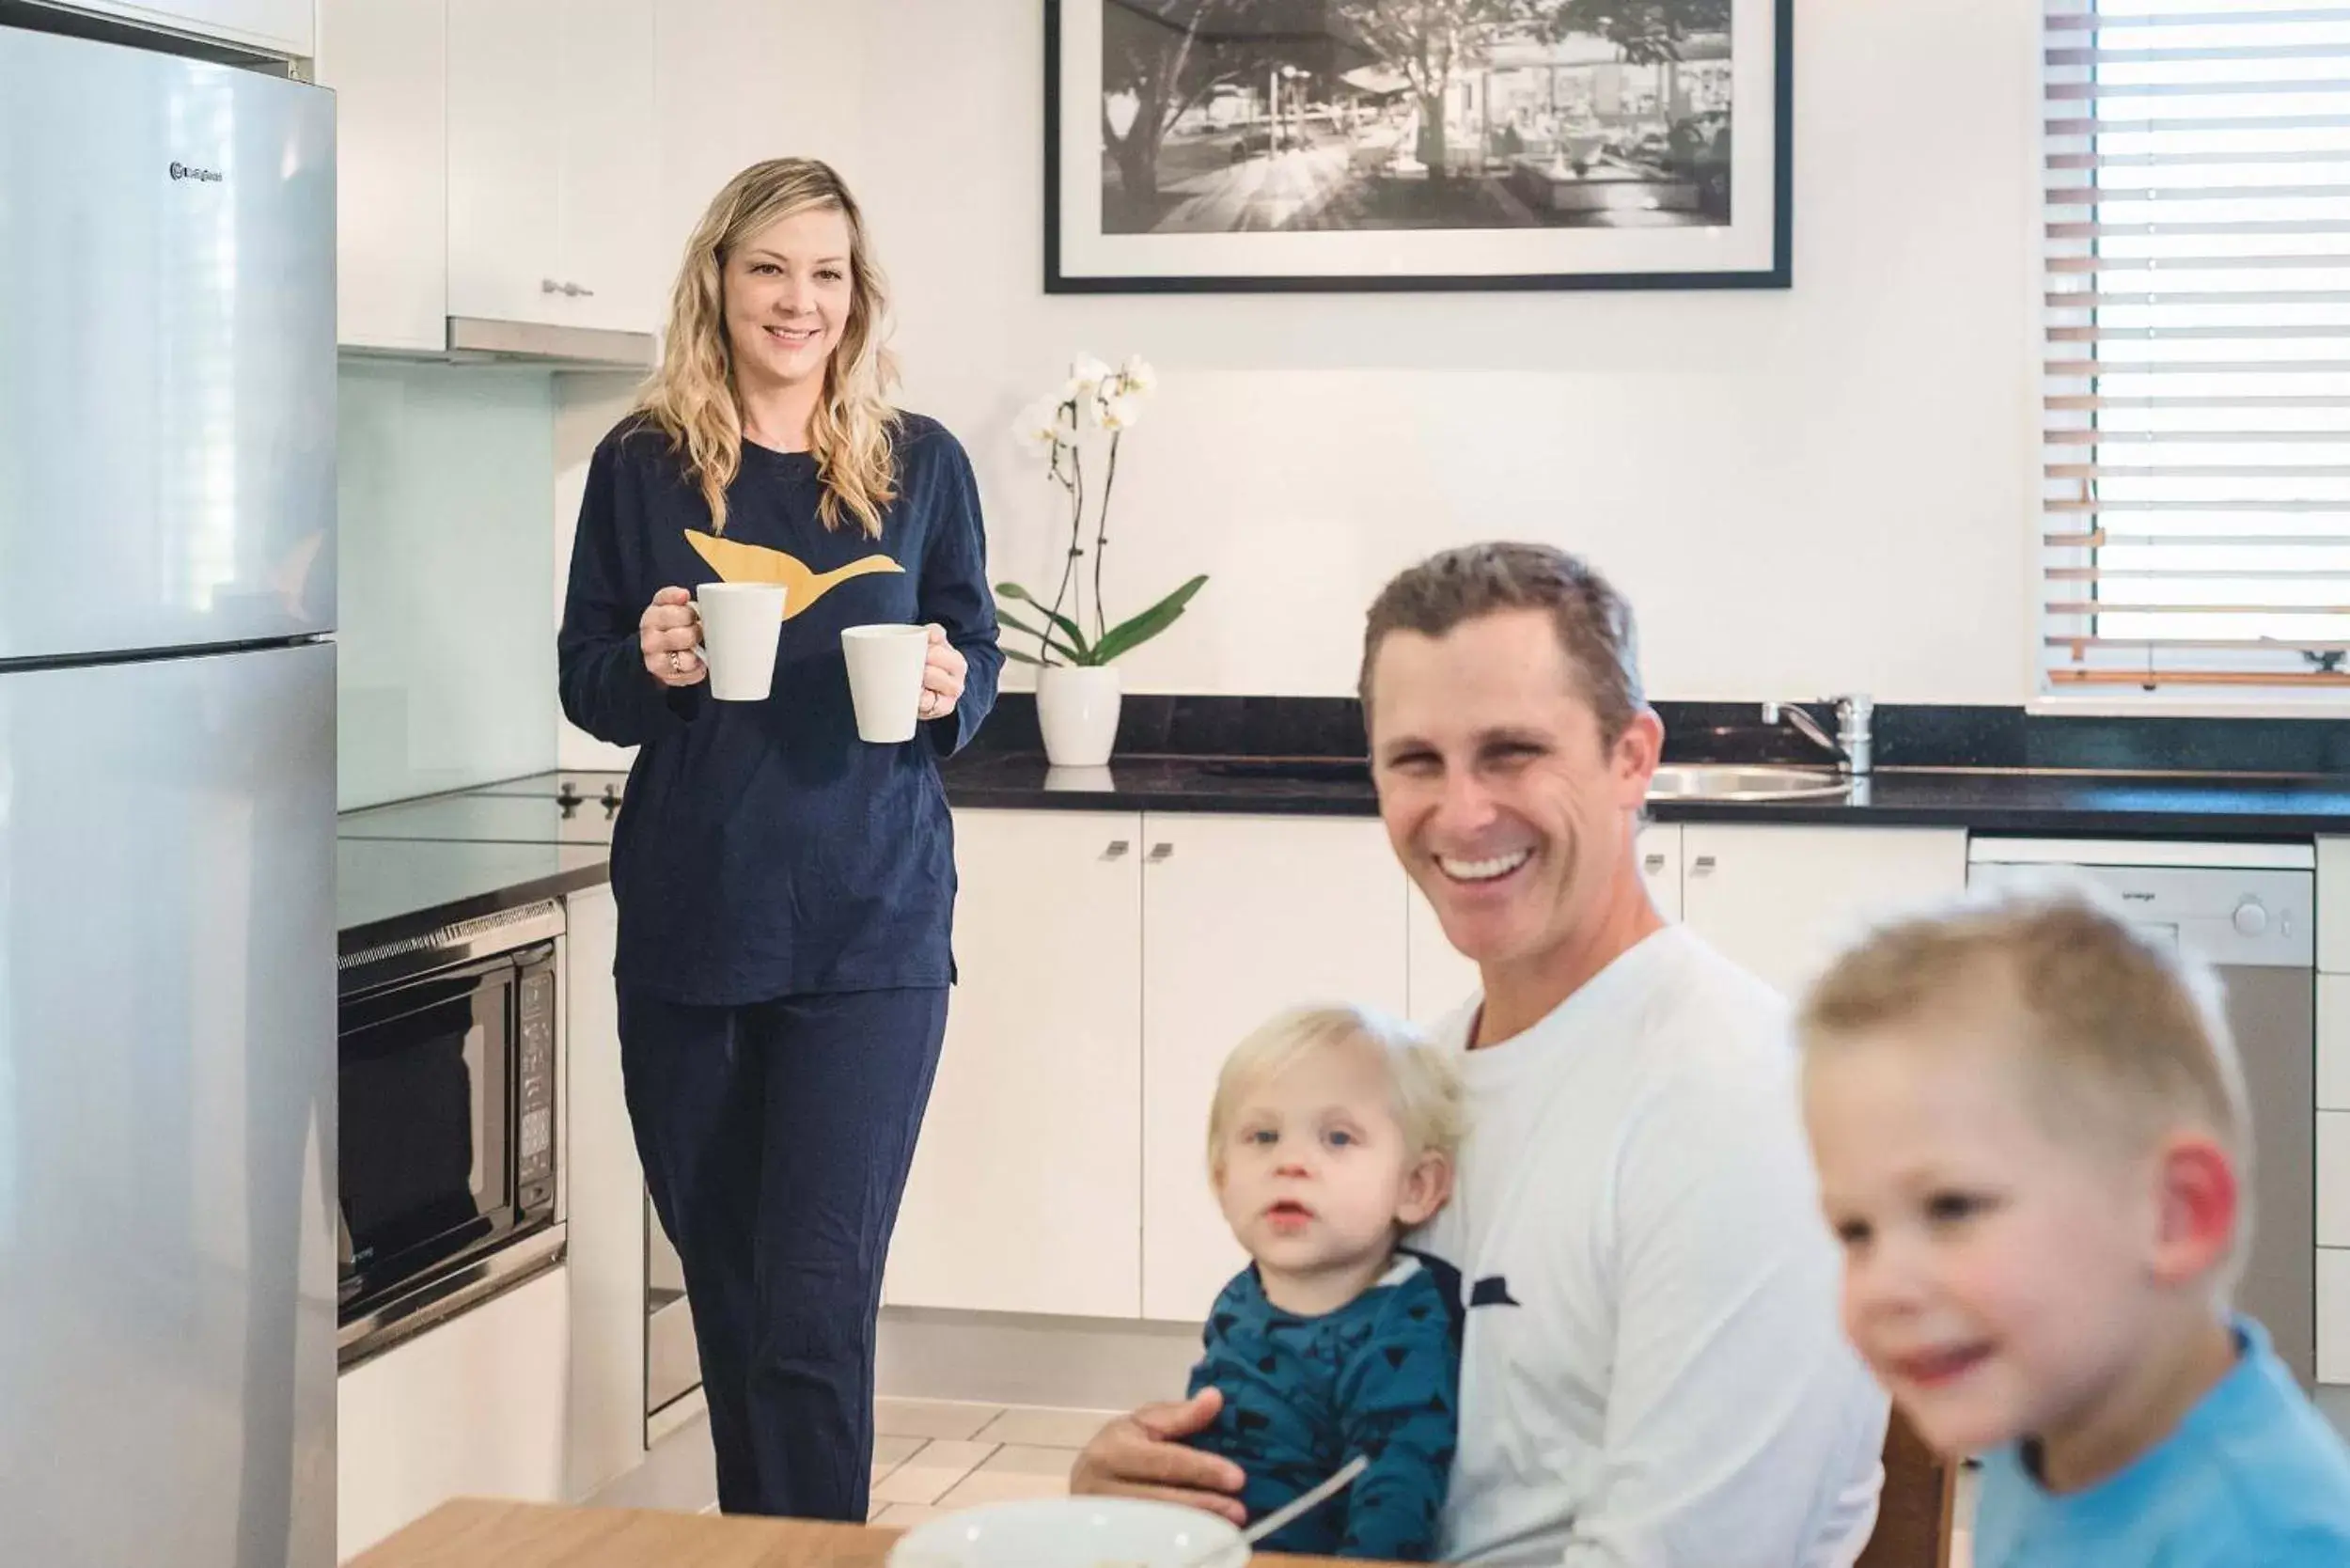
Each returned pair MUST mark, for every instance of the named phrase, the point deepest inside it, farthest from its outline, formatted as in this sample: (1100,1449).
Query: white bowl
(1069,1533)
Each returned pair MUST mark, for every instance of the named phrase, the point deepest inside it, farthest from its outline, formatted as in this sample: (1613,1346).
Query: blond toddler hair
(1425,1092)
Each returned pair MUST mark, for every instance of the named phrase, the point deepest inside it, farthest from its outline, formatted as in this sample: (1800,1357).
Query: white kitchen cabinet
(1661,867)
(2333,1042)
(2333,906)
(1025,1193)
(552,162)
(1241,918)
(281,27)
(1779,898)
(611,167)
(2333,1178)
(505,123)
(387,61)
(2333,1315)
(471,1407)
(604,1205)
(1441,978)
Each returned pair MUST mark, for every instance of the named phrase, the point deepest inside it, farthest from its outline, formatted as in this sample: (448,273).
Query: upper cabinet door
(387,62)
(506,129)
(272,26)
(612,273)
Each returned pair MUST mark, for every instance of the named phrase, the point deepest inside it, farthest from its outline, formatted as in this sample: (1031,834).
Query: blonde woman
(785,890)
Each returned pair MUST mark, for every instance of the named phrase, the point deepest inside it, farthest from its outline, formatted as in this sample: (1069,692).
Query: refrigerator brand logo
(189,171)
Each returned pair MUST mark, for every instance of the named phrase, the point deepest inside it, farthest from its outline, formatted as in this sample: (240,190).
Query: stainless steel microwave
(450,1139)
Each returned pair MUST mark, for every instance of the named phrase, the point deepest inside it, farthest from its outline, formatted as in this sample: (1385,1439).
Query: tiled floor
(931,1457)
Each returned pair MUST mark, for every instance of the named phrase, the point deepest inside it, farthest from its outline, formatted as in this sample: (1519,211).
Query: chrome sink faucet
(1853,746)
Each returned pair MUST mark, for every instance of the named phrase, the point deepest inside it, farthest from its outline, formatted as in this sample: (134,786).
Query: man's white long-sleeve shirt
(1653,1374)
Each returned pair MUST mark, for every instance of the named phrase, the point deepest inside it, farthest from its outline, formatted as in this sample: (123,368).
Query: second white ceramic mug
(885,679)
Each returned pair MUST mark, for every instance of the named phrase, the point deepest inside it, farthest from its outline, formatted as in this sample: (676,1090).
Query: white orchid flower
(1138,375)
(1086,375)
(1120,411)
(1040,425)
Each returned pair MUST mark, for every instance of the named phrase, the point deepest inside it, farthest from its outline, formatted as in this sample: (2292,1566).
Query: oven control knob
(2251,919)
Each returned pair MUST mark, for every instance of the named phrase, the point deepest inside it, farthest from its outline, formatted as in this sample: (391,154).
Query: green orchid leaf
(1070,631)
(1027,631)
(1128,635)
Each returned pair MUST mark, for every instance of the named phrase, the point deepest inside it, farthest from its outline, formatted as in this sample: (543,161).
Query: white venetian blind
(2196,450)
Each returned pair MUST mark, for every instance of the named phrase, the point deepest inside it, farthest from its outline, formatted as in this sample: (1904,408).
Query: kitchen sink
(1745,781)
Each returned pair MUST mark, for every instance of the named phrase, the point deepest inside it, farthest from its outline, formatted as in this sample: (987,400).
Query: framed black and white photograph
(1341,145)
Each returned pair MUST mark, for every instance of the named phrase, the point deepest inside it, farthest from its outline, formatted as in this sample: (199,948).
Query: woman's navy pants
(776,1140)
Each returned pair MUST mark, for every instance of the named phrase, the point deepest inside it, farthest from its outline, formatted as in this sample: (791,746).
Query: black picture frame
(1777,273)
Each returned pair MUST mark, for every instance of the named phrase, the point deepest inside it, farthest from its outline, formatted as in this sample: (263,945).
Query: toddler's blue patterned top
(1301,1396)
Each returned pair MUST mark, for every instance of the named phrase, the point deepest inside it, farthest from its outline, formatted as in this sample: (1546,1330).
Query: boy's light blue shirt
(2253,1475)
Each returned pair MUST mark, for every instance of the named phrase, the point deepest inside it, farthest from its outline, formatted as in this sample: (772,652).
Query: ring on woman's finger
(677,665)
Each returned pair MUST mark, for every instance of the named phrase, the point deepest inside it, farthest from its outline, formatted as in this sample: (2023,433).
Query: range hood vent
(582,347)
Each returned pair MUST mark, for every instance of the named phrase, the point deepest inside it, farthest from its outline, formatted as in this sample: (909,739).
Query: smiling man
(1652,1374)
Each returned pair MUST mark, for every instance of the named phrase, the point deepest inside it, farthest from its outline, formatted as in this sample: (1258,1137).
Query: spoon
(1238,1550)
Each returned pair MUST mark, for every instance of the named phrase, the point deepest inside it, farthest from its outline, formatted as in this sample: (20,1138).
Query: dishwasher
(2249,911)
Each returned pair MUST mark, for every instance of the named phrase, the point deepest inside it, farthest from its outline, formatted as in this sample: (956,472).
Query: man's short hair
(1594,620)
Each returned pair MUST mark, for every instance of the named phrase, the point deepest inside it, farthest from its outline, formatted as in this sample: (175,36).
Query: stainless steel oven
(451,1137)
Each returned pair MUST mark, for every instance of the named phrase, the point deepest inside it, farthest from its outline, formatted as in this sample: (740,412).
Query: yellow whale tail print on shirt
(737,562)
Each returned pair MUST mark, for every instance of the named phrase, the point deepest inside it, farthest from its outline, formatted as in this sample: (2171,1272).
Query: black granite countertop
(2111,805)
(406,868)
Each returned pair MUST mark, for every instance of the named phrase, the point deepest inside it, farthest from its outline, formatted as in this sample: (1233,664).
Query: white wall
(1821,489)
(1806,491)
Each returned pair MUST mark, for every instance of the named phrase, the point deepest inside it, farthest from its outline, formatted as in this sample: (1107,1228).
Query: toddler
(1332,1132)
(2030,1134)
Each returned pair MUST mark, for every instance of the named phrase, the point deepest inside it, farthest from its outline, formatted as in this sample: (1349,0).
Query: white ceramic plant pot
(1076,706)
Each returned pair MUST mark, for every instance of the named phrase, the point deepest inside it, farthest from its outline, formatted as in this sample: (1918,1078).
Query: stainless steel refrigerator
(167,811)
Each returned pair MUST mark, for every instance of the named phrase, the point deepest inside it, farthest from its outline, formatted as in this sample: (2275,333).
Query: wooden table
(473,1533)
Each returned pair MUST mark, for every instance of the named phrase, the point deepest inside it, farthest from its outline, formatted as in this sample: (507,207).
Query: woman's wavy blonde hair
(691,396)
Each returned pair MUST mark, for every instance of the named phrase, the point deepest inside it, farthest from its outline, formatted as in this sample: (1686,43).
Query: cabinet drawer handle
(1161,852)
(1116,851)
(1655,862)
(1702,865)
(575,292)
(548,286)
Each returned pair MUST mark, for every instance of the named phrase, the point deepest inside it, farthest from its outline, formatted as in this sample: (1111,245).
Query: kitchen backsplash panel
(446,670)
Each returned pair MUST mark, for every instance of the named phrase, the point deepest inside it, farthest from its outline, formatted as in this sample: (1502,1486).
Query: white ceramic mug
(885,679)
(740,623)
